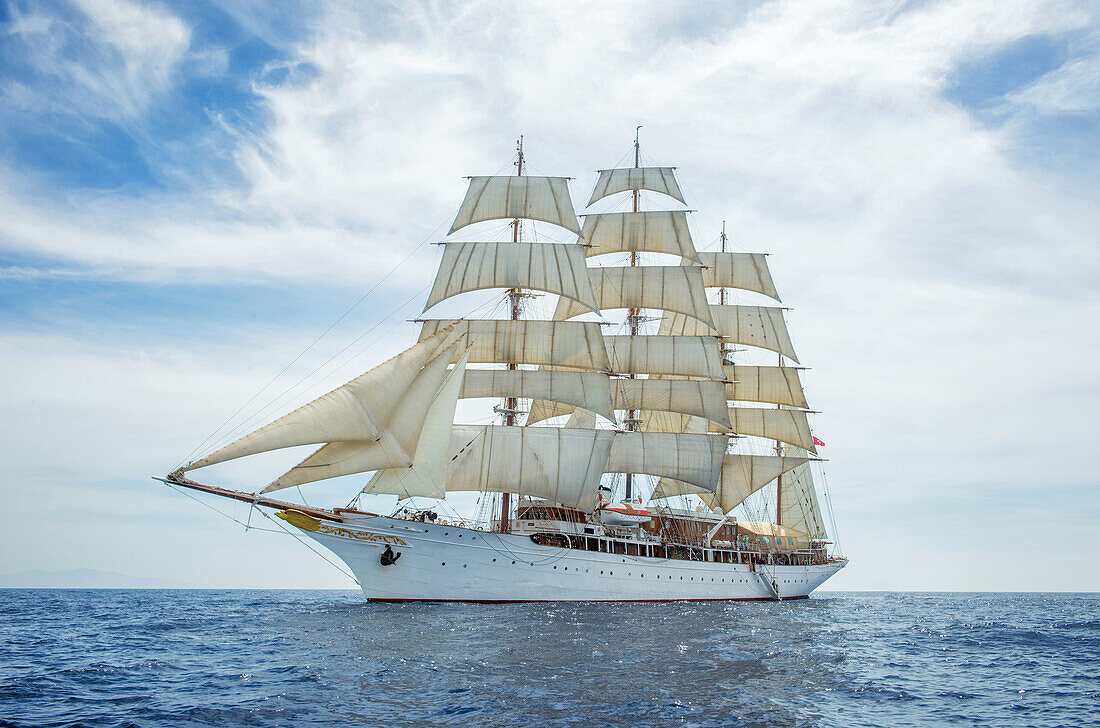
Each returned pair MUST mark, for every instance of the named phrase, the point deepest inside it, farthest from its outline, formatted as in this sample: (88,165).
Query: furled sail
(354,412)
(589,390)
(665,287)
(695,459)
(760,326)
(427,475)
(562,465)
(742,475)
(747,271)
(394,449)
(777,385)
(799,507)
(570,344)
(657,179)
(689,356)
(638,232)
(701,398)
(530,198)
(785,425)
(553,267)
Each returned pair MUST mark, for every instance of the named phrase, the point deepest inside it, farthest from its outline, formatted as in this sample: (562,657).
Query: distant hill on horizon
(85,579)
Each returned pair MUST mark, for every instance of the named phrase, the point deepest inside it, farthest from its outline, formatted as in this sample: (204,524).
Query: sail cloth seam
(550,267)
(654,179)
(653,231)
(665,287)
(742,475)
(590,390)
(760,326)
(545,199)
(745,271)
(691,356)
(566,344)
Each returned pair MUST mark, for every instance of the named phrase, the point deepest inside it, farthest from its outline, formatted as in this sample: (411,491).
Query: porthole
(460,535)
(494,561)
(513,562)
(464,566)
(444,563)
(555,567)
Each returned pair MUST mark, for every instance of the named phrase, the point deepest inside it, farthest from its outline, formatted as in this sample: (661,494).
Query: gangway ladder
(769,583)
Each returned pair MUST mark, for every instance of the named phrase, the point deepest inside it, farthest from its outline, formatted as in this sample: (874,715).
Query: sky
(192,193)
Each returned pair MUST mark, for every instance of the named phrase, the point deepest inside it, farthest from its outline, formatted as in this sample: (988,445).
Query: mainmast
(515,298)
(630,423)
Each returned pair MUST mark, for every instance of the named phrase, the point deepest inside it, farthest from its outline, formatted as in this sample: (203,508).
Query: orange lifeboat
(623,514)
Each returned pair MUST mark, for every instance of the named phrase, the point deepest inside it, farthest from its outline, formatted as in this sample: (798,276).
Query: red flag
(819,443)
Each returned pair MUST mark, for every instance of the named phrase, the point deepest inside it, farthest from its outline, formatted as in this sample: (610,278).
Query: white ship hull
(449,563)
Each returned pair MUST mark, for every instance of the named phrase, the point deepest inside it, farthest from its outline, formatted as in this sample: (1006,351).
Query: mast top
(519,156)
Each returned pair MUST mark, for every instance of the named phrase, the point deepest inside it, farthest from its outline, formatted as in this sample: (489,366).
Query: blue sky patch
(984,81)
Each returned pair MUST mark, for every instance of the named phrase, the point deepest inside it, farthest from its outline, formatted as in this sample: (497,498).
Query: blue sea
(327,658)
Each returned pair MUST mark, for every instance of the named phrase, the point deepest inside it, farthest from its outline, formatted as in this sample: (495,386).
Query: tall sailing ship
(688,400)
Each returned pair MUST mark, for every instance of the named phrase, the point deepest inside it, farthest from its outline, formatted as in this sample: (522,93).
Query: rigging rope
(281,530)
(292,392)
(324,333)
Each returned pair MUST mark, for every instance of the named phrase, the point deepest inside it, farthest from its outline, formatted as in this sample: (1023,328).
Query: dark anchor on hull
(389,558)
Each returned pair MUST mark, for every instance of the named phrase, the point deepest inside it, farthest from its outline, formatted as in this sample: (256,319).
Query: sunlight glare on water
(316,658)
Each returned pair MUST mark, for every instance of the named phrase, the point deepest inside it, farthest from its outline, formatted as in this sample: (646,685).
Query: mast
(511,404)
(722,299)
(779,479)
(633,315)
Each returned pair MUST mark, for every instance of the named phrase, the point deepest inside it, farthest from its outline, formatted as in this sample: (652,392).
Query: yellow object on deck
(299,519)
(772,535)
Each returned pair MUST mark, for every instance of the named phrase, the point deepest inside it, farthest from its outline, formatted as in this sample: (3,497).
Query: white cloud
(944,288)
(112,63)
(1070,89)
